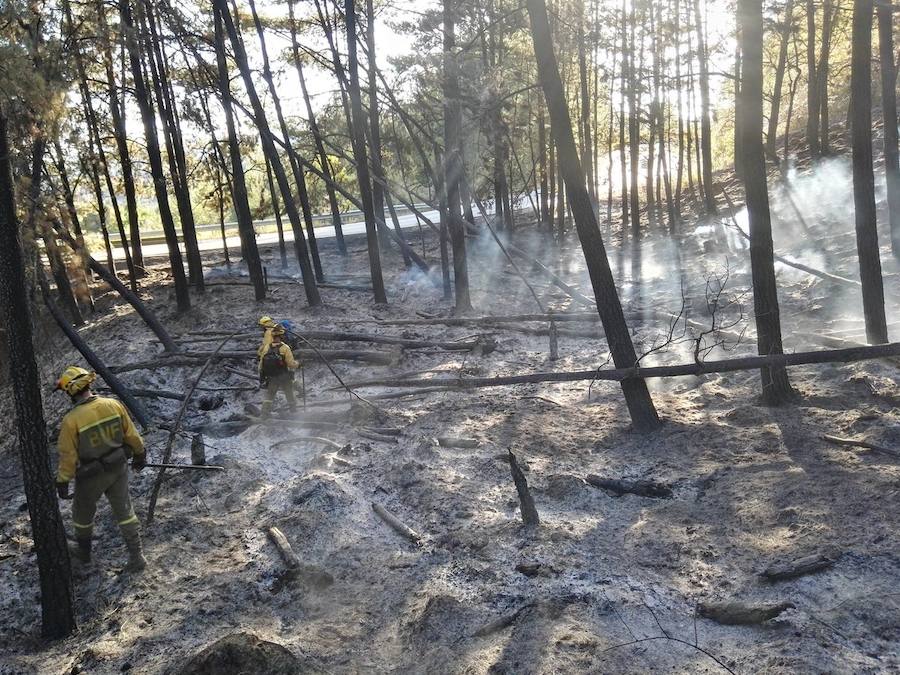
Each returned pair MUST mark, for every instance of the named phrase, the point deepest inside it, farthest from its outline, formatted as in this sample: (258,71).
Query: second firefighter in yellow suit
(96,439)
(276,370)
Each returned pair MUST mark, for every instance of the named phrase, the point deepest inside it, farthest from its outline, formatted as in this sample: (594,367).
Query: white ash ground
(752,485)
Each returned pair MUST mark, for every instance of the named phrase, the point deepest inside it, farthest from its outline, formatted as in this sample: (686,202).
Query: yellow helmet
(278,330)
(75,379)
(267,322)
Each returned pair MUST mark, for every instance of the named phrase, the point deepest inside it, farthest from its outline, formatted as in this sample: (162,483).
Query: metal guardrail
(151,237)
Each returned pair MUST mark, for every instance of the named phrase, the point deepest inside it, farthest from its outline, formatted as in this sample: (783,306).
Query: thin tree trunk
(705,140)
(889,113)
(454,169)
(148,117)
(360,154)
(776,387)
(812,83)
(822,73)
(268,143)
(317,137)
(174,145)
(637,397)
(249,250)
(276,212)
(863,176)
(780,67)
(48,534)
(121,136)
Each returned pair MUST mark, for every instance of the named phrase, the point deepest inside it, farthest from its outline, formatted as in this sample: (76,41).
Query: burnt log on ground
(849,355)
(861,443)
(396,524)
(383,358)
(797,568)
(526,501)
(92,358)
(641,488)
(485,341)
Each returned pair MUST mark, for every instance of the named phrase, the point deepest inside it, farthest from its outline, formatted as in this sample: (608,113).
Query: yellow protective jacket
(267,340)
(285,352)
(92,429)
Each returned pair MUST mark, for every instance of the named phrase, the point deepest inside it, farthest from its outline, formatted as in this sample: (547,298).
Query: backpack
(273,363)
(289,338)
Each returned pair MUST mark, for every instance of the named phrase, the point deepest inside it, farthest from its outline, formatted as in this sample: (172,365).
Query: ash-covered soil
(605,584)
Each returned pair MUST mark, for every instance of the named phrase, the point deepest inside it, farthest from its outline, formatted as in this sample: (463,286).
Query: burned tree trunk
(56,592)
(780,67)
(249,250)
(268,143)
(705,140)
(637,397)
(453,165)
(812,83)
(863,176)
(359,151)
(148,117)
(889,112)
(317,137)
(776,387)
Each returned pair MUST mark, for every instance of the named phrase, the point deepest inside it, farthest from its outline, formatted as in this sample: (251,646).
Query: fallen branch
(306,439)
(479,320)
(155,393)
(784,261)
(372,436)
(641,488)
(797,568)
(176,425)
(91,356)
(396,525)
(526,501)
(736,613)
(502,621)
(449,442)
(195,358)
(849,355)
(291,560)
(860,443)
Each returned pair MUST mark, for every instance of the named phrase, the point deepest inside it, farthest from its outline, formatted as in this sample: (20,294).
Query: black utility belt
(112,460)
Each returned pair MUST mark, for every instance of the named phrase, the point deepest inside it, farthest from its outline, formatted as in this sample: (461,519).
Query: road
(407,221)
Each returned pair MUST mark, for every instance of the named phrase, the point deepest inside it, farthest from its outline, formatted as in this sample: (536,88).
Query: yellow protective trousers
(114,484)
(275,384)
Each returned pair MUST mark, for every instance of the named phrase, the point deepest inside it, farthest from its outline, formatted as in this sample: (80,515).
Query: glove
(139,462)
(62,490)
(263,382)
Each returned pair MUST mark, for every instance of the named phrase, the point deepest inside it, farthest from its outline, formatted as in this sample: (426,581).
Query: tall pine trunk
(863,175)
(361,155)
(705,140)
(637,397)
(776,387)
(889,112)
(780,67)
(453,171)
(148,117)
(54,572)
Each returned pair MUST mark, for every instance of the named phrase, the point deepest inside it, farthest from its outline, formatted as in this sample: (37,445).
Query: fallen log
(526,501)
(155,393)
(291,560)
(372,436)
(841,343)
(306,439)
(176,425)
(477,320)
(790,263)
(126,293)
(797,568)
(91,356)
(395,524)
(849,355)
(641,488)
(407,343)
(449,442)
(382,358)
(860,443)
(735,613)
(502,621)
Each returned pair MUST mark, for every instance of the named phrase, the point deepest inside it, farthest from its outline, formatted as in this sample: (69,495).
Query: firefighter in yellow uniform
(276,370)
(267,323)
(96,439)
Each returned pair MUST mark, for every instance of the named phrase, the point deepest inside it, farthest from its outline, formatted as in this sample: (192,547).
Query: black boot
(81,550)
